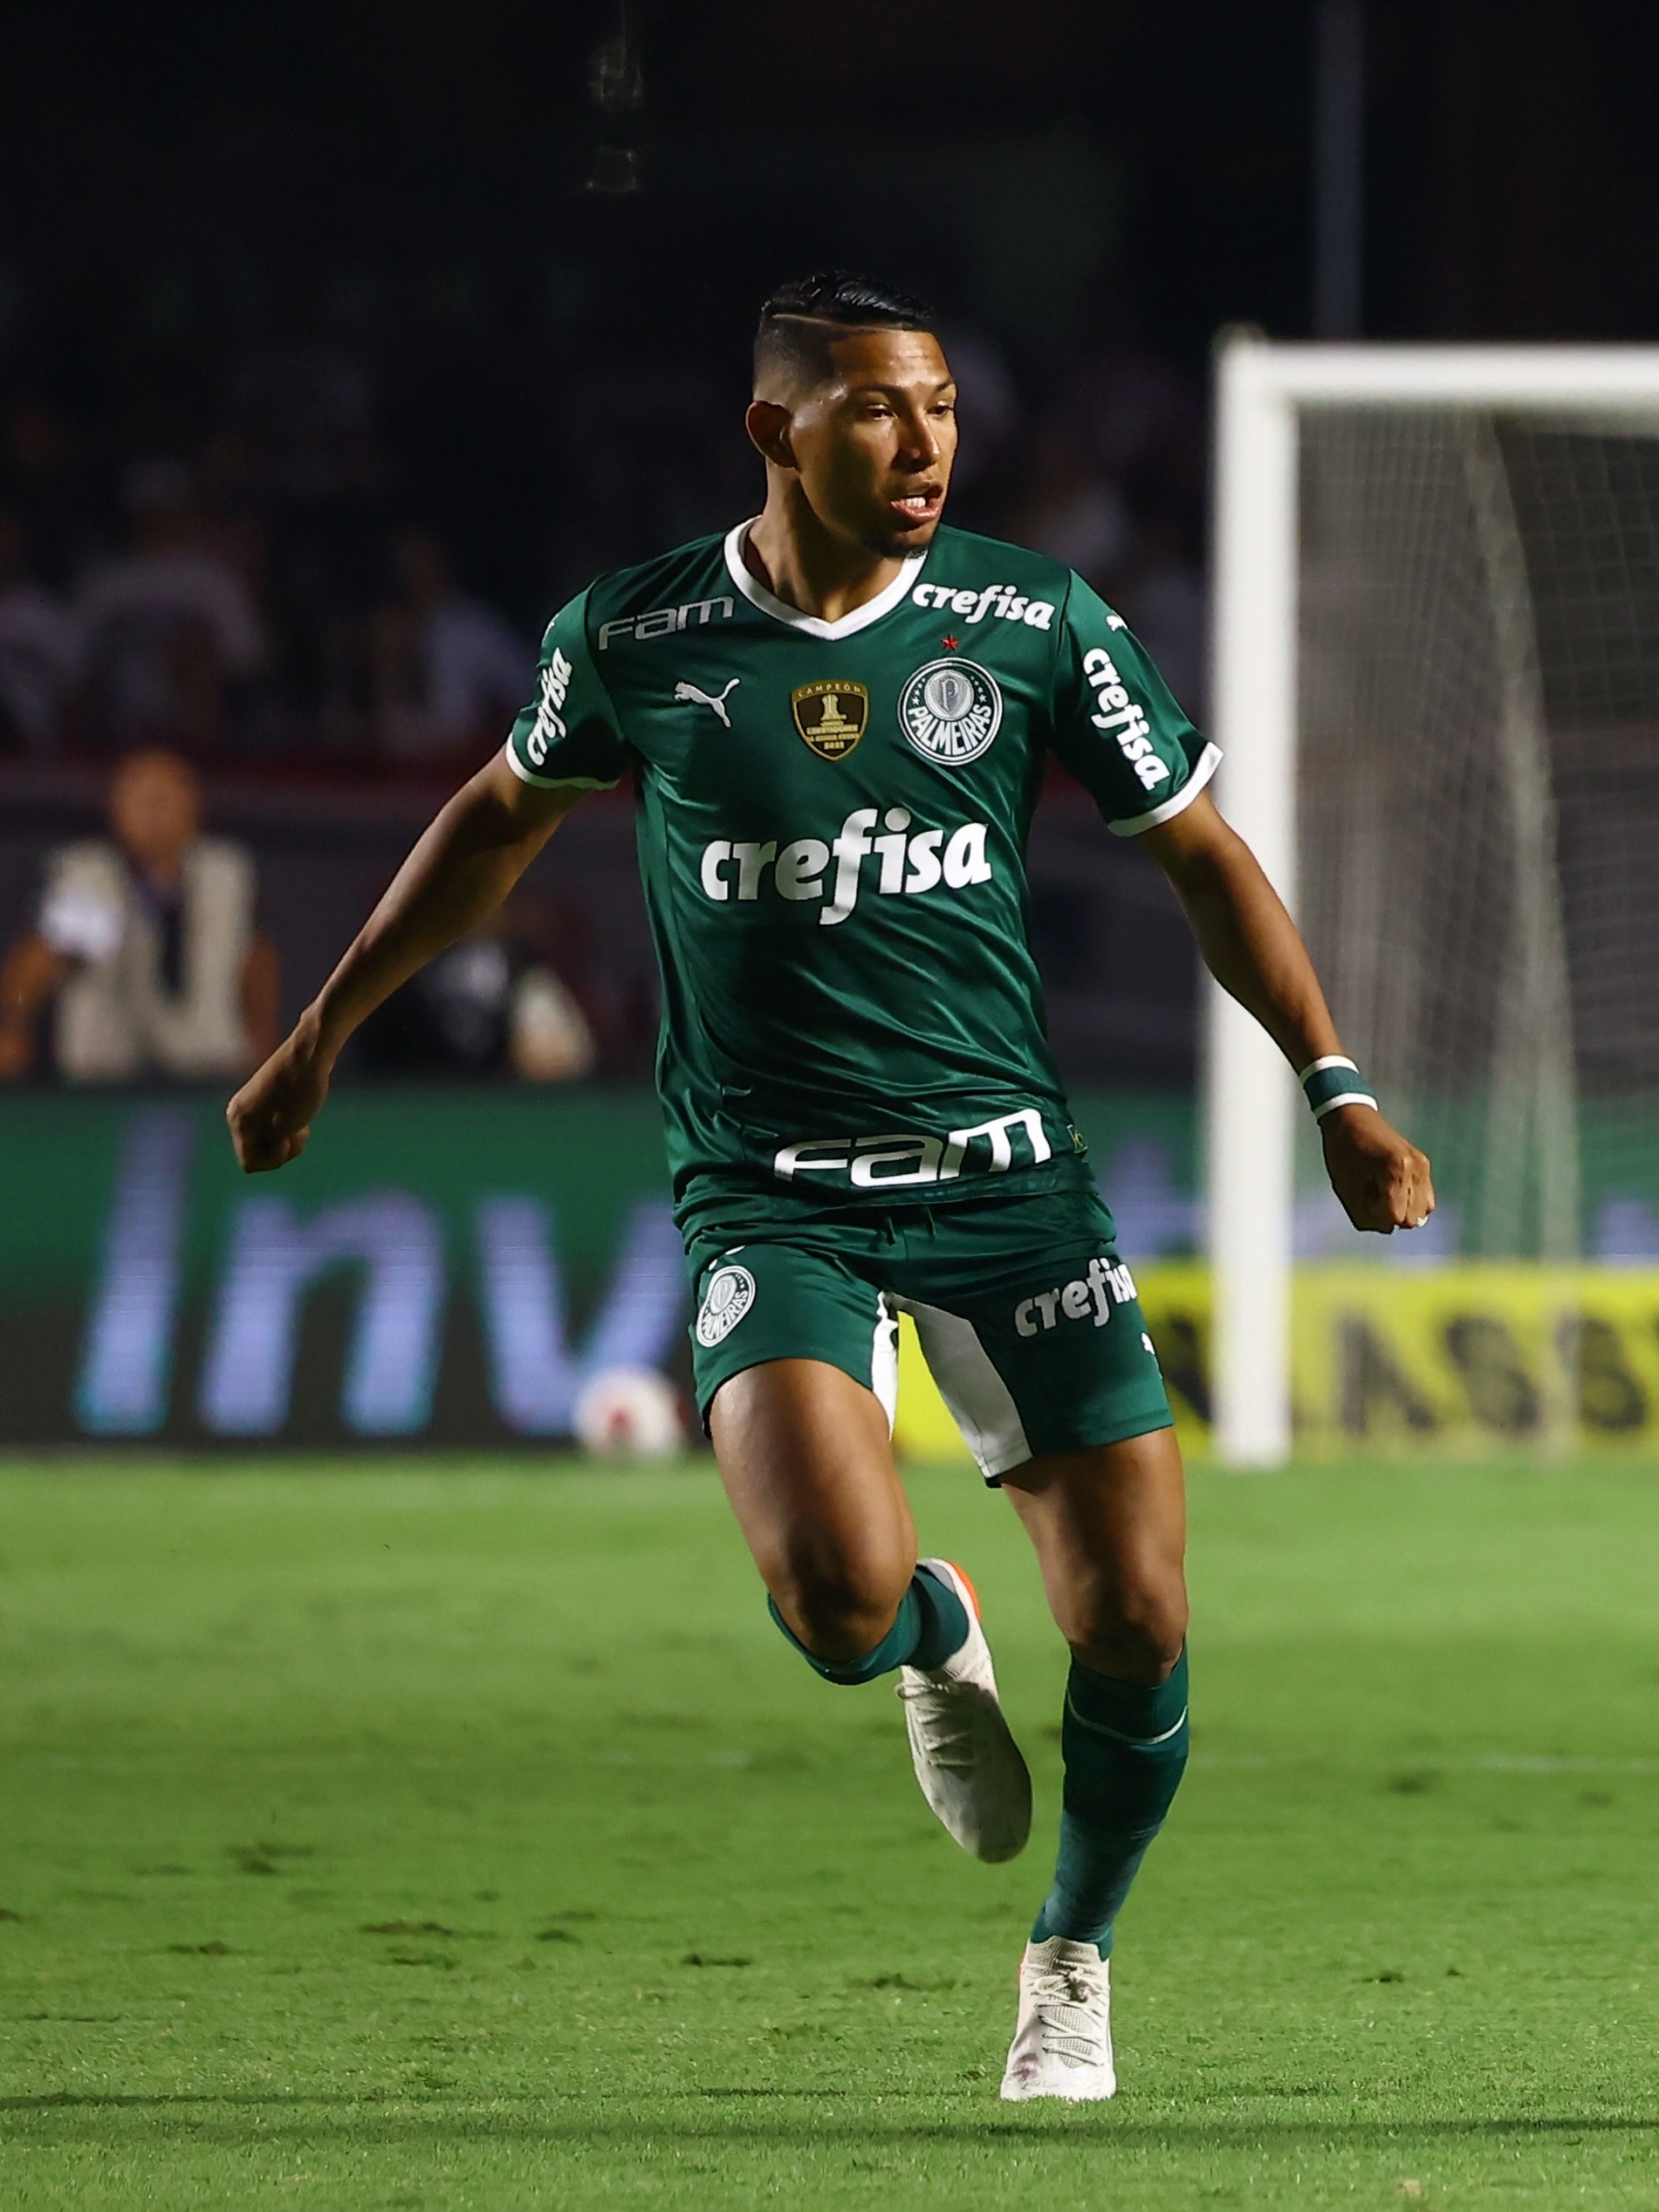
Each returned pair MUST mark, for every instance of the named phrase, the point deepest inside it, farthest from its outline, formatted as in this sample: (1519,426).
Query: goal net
(1438,692)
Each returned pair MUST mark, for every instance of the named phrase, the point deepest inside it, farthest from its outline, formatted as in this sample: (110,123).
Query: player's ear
(767,424)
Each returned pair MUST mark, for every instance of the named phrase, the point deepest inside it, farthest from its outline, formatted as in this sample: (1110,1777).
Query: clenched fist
(271,1116)
(1384,1182)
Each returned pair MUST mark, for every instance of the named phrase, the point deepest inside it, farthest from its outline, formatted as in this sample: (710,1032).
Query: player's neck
(788,549)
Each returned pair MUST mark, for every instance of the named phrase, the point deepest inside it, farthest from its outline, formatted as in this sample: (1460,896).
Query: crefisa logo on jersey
(730,1295)
(549,724)
(831,716)
(951,710)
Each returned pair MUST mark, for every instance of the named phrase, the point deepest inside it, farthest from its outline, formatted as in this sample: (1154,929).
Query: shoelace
(1062,2001)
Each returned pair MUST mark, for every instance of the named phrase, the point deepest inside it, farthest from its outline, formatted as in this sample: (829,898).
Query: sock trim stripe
(1141,1742)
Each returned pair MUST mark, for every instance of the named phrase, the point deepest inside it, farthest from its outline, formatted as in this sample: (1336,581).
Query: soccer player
(837,717)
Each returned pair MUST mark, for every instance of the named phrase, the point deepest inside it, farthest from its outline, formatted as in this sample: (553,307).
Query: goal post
(1391,700)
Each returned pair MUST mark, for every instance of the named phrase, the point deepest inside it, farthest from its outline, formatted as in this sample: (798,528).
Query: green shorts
(1027,1318)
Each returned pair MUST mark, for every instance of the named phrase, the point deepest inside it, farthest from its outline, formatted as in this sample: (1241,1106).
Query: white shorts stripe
(884,1361)
(979,1400)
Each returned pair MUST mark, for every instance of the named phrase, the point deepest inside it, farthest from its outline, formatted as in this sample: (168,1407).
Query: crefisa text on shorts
(1089,1297)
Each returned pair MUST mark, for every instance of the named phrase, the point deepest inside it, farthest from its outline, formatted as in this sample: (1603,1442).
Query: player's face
(873,444)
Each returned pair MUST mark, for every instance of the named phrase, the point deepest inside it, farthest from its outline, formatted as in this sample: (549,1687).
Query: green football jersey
(833,820)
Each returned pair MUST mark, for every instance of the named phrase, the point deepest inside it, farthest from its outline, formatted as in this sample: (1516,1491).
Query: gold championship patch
(831,716)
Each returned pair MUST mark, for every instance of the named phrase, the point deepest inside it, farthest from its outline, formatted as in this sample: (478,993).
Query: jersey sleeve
(569,734)
(1117,725)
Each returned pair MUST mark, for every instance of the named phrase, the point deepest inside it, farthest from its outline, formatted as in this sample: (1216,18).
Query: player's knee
(842,1607)
(1134,1632)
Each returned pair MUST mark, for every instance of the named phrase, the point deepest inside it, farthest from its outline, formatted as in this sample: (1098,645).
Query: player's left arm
(1254,950)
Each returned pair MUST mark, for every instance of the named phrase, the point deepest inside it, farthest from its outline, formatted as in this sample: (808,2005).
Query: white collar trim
(812,625)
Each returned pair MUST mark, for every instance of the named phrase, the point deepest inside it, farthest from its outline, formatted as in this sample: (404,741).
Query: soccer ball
(630,1410)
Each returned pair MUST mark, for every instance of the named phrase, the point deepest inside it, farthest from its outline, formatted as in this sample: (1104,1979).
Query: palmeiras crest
(951,710)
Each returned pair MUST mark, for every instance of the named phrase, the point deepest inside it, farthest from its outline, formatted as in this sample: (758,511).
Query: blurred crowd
(236,601)
(261,590)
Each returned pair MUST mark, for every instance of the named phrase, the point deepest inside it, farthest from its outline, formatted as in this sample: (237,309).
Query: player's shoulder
(966,561)
(662,590)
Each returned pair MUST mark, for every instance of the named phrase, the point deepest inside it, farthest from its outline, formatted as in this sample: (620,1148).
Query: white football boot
(968,1763)
(1062,2045)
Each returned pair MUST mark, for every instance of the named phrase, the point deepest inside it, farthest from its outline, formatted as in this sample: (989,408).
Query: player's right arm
(564,743)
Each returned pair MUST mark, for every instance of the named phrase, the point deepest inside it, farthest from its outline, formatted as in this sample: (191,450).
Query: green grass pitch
(469,1838)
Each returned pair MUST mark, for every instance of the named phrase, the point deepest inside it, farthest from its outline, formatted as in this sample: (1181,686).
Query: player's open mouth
(918,507)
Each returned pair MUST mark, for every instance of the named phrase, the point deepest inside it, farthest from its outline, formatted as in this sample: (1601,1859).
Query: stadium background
(337,284)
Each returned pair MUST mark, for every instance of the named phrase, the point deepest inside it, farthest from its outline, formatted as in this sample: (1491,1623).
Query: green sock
(932,1623)
(1125,1747)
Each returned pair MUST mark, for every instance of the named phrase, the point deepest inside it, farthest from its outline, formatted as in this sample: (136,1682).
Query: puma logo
(702,698)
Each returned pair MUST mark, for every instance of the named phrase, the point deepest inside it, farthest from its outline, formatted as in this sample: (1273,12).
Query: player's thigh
(795,1360)
(1109,1526)
(805,1456)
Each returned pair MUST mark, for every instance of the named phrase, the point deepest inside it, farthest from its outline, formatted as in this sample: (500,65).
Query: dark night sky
(1513,169)
(182,184)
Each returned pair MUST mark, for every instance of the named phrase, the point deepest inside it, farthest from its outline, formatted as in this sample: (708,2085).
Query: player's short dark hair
(799,320)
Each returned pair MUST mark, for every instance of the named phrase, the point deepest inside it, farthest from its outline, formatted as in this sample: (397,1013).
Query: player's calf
(1125,1749)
